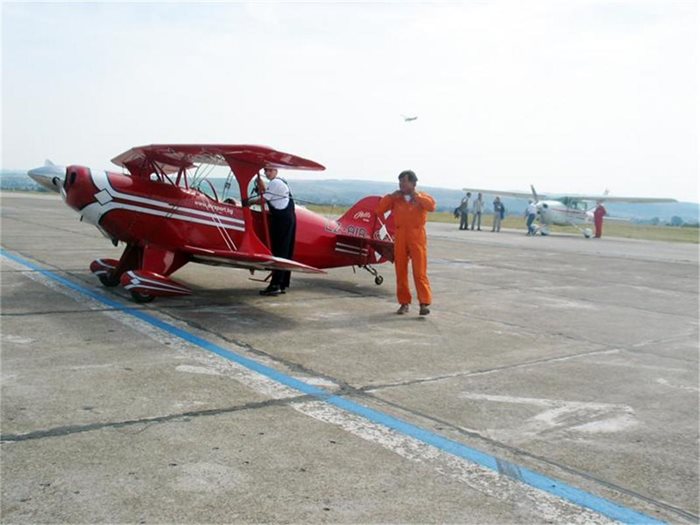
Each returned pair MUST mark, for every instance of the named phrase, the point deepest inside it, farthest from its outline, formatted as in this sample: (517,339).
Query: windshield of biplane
(216,182)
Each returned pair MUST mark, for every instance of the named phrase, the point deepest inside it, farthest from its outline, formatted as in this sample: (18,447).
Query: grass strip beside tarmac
(611,228)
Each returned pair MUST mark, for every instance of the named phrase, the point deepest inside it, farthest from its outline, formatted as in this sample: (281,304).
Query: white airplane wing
(608,198)
(517,194)
(542,196)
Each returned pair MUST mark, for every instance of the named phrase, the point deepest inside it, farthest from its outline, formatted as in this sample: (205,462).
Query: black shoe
(271,290)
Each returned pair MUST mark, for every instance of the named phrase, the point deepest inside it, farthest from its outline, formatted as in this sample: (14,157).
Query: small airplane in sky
(167,213)
(409,119)
(571,210)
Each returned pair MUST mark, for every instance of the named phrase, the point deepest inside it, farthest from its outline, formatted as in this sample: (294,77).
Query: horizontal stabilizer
(360,246)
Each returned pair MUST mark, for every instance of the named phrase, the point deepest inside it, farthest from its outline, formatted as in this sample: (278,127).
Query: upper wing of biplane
(171,158)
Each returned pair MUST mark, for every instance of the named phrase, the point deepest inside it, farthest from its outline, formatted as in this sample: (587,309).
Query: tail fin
(373,234)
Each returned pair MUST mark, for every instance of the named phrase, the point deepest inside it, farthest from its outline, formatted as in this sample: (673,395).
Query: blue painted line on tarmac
(550,485)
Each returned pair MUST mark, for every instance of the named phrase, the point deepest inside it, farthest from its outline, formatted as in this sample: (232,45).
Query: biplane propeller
(165,221)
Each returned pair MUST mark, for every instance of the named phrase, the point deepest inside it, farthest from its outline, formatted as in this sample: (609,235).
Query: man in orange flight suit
(410,210)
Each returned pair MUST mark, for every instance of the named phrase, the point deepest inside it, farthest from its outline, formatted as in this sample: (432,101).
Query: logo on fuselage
(362,216)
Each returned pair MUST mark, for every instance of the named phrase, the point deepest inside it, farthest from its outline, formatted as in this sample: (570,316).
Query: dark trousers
(476,220)
(283,226)
(530,228)
(463,220)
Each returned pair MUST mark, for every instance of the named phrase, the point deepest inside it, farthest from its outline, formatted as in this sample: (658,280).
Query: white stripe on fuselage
(92,213)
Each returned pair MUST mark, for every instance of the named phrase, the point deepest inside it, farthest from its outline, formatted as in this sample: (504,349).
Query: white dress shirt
(277,194)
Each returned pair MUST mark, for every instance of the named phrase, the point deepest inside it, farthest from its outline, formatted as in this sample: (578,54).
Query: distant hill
(16,180)
(347,192)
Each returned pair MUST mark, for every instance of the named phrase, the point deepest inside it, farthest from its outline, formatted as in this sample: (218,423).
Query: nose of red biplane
(78,189)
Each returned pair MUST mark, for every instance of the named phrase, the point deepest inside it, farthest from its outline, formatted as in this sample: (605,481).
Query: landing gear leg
(587,232)
(130,260)
(378,279)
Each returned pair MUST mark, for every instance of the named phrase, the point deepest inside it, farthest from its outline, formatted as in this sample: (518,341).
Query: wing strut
(261,189)
(244,173)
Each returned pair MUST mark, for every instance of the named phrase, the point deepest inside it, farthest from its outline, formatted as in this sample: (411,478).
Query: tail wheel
(141,298)
(378,279)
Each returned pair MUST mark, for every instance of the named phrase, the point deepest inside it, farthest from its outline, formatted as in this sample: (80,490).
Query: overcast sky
(569,95)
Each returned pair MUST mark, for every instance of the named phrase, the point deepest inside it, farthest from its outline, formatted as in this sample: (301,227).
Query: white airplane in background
(409,119)
(571,210)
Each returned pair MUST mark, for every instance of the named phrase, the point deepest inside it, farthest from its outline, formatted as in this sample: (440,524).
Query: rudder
(362,224)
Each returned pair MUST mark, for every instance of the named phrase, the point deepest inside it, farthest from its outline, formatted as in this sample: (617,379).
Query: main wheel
(378,280)
(141,297)
(108,280)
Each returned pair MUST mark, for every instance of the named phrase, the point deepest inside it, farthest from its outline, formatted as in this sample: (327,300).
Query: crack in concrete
(76,429)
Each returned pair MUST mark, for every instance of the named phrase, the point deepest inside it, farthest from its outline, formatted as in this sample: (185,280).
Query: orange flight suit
(410,243)
(598,215)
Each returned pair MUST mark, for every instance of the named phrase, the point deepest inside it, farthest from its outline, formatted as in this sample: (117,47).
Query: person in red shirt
(410,210)
(598,215)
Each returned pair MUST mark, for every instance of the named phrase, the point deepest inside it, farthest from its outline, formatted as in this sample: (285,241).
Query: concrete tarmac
(556,380)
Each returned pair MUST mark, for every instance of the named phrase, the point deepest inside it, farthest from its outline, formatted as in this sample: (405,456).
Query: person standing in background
(498,213)
(477,209)
(464,212)
(598,215)
(531,214)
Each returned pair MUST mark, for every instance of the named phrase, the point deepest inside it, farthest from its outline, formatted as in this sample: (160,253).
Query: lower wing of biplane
(144,284)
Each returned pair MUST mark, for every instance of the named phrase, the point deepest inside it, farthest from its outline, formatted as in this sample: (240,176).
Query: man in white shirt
(531,214)
(282,226)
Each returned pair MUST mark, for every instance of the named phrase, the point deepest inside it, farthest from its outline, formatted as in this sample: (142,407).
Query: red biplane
(167,215)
